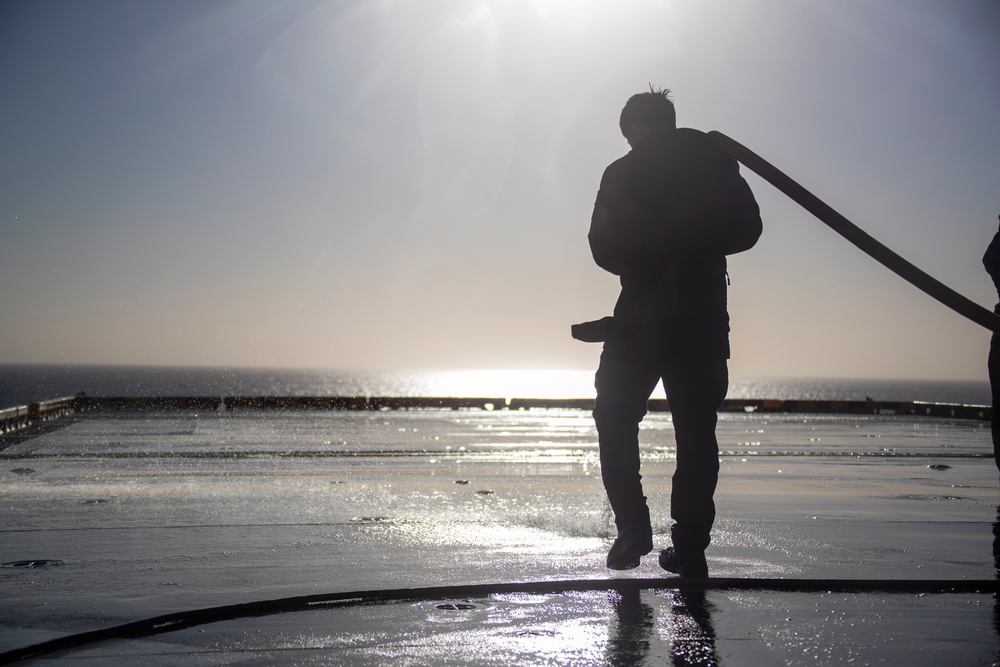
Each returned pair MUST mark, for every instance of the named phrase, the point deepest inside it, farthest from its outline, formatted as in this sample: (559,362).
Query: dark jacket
(666,216)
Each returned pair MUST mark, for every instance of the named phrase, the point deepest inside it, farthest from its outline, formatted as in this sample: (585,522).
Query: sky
(407,184)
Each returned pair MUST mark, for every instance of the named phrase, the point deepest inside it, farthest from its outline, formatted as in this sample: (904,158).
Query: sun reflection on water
(525,383)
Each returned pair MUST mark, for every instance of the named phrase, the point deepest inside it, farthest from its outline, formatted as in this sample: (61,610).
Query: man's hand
(597,331)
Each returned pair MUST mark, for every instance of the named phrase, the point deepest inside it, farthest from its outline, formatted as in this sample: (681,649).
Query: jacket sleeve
(739,214)
(621,240)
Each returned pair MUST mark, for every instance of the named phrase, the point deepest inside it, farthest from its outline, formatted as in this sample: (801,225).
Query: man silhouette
(666,216)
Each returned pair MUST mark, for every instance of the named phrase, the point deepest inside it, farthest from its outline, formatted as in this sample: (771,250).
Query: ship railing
(19,417)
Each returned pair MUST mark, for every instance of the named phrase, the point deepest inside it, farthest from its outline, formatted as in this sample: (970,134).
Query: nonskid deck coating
(165,529)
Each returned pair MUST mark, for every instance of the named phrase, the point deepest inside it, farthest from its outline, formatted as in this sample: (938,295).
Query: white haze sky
(407,184)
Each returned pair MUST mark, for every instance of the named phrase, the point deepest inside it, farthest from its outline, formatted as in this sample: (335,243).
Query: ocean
(21,384)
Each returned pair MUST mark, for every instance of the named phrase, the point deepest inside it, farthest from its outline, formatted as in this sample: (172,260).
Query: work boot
(688,565)
(630,545)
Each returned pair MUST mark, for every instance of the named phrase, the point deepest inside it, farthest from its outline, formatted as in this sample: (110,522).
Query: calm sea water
(21,384)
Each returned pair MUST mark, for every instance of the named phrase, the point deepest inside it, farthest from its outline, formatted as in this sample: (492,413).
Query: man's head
(646,113)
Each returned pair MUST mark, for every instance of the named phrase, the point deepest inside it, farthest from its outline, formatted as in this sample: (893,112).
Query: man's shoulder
(619,164)
(691,134)
(690,139)
(680,144)
(617,170)
(681,150)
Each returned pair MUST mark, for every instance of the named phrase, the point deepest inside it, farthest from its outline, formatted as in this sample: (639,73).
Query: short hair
(654,110)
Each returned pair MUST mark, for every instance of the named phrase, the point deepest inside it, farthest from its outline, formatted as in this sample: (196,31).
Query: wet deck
(152,513)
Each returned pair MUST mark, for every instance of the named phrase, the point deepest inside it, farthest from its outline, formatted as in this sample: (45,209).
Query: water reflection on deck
(134,513)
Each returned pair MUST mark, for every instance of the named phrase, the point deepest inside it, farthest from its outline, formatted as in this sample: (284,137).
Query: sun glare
(528,383)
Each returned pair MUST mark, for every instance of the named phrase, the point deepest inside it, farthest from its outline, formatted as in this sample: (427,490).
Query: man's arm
(711,205)
(703,201)
(621,239)
(606,242)
(739,214)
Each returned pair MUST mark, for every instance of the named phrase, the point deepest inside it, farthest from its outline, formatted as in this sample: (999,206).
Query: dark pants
(696,387)
(993,365)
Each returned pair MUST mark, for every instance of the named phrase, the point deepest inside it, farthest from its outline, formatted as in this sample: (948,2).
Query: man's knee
(616,415)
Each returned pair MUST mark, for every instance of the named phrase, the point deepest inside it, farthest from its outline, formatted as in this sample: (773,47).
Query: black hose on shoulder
(861,239)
